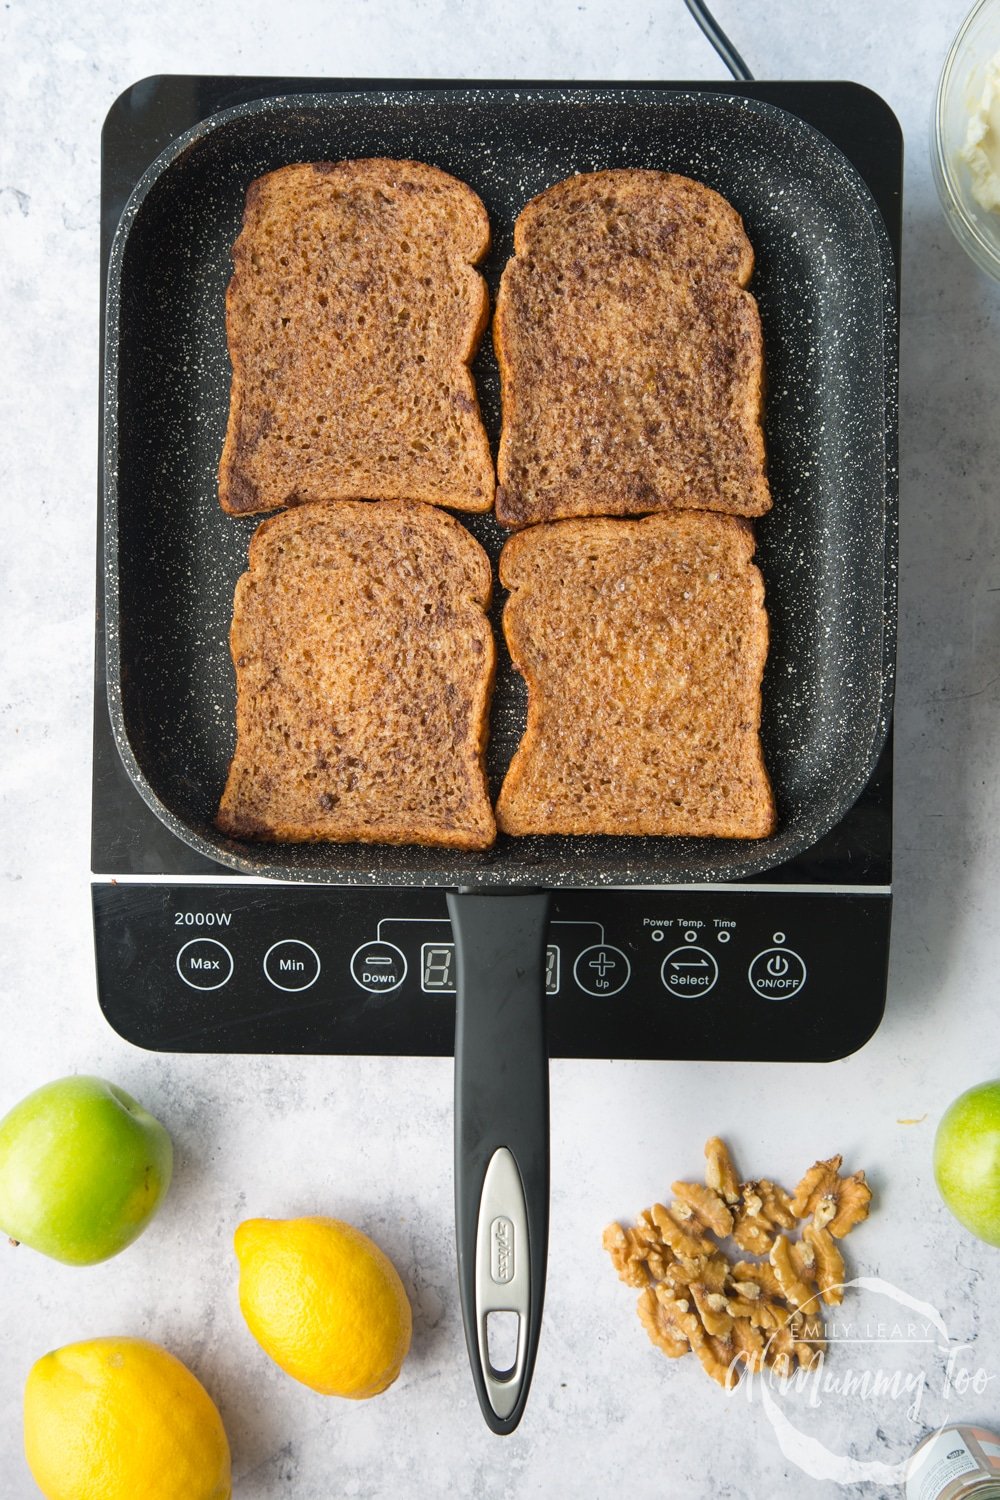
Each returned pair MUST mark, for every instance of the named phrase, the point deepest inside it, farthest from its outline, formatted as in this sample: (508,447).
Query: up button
(602,970)
(777,974)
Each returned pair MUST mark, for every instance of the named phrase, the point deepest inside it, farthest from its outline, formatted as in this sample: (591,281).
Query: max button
(777,974)
(602,970)
(378,967)
(291,965)
(205,964)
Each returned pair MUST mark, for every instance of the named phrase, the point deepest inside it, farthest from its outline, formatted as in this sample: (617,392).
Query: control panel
(730,973)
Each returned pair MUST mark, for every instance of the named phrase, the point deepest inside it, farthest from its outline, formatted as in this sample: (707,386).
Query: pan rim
(264,860)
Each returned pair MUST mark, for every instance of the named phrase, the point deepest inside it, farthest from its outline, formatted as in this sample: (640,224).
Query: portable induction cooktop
(193,954)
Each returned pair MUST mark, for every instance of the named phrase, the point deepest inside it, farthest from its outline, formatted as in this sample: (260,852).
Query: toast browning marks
(364,666)
(631,357)
(352,315)
(643,644)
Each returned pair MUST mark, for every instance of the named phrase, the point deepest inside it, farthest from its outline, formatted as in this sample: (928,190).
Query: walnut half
(833,1202)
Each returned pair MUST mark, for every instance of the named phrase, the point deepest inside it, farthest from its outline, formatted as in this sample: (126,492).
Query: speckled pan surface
(825,283)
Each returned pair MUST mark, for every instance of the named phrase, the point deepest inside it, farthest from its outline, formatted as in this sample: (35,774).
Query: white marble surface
(370,1139)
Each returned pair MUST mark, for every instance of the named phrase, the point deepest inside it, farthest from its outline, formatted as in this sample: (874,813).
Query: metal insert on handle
(503,1274)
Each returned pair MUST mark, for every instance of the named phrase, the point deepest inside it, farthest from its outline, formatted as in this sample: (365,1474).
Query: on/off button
(777,974)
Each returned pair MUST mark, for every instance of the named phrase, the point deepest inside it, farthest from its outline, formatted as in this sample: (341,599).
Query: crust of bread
(364,669)
(642,644)
(630,353)
(352,316)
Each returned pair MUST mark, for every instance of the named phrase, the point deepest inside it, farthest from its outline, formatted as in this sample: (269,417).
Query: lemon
(116,1419)
(325,1303)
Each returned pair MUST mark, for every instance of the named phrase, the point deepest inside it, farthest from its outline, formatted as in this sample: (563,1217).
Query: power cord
(720,41)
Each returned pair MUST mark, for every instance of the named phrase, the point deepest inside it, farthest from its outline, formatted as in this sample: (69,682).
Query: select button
(291,965)
(689,971)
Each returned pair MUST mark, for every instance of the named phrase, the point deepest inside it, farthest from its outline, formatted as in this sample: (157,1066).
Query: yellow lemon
(115,1419)
(325,1303)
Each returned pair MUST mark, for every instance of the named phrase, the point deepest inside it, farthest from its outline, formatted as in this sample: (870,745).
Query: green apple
(83,1169)
(967,1160)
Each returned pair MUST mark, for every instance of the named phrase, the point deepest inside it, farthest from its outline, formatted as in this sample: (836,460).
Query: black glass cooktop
(193,957)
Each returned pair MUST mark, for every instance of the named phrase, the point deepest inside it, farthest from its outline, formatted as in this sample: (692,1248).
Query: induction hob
(191,956)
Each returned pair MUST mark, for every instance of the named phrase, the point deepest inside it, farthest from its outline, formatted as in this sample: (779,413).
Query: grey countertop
(369,1140)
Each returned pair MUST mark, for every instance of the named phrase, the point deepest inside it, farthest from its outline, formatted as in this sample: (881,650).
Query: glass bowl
(959,91)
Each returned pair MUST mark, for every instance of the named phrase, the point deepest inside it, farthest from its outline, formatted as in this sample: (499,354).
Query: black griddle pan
(825,283)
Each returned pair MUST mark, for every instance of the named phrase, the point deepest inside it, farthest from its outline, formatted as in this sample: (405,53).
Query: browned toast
(631,357)
(352,316)
(364,666)
(643,644)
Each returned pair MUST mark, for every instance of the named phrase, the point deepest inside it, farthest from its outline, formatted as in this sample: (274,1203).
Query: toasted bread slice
(364,666)
(631,357)
(642,643)
(352,315)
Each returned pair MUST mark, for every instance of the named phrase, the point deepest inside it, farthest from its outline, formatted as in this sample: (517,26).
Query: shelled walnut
(741,1315)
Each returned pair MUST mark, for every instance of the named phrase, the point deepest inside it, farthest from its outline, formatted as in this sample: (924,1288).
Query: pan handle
(501,1134)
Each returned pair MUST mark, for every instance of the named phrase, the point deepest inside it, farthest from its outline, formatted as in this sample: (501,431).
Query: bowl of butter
(965,136)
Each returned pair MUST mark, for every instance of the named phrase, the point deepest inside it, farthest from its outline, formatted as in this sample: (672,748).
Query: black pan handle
(501,1134)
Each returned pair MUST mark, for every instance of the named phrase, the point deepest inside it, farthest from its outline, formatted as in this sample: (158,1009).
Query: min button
(291,964)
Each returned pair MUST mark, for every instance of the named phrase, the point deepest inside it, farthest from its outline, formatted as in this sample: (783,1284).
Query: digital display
(437,969)
(552,970)
(438,974)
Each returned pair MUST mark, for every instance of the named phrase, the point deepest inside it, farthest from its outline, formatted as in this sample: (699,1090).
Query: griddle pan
(825,283)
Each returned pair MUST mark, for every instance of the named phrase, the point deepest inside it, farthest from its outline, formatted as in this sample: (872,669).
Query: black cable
(720,41)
